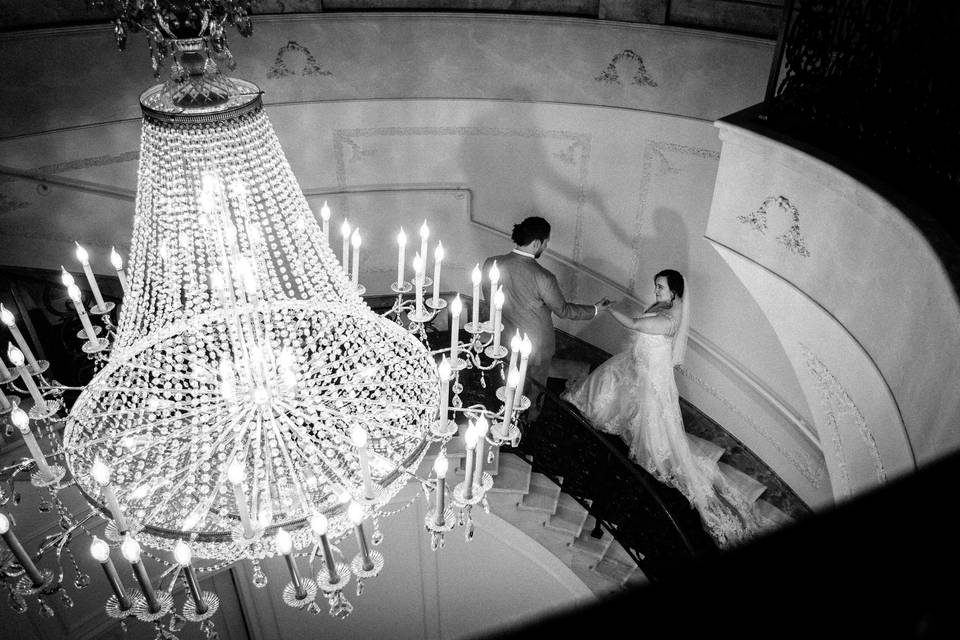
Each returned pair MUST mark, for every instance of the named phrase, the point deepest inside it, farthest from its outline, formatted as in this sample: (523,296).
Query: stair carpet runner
(537,506)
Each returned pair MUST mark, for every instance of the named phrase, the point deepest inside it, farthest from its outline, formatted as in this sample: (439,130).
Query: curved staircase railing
(621,497)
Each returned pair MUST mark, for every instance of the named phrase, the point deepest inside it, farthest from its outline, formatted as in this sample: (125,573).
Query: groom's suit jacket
(531,297)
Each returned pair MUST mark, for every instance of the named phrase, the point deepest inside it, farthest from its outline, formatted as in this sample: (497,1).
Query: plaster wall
(857,261)
(469,122)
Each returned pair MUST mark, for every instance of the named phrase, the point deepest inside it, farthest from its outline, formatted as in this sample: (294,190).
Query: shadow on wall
(522,167)
(667,245)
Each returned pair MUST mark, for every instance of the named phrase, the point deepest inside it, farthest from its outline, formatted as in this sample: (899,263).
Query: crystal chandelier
(248,403)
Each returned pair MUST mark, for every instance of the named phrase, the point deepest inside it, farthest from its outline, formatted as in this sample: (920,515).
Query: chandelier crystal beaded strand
(248,403)
(242,343)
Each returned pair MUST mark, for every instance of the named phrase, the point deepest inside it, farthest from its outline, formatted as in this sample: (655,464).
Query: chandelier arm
(301,494)
(134,366)
(334,469)
(352,418)
(186,475)
(158,440)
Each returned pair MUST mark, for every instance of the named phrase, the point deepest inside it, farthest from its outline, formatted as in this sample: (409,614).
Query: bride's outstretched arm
(658,324)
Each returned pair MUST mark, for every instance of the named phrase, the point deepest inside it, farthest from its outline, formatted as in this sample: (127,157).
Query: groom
(532,297)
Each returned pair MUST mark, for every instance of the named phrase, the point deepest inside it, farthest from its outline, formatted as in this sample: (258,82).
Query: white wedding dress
(634,395)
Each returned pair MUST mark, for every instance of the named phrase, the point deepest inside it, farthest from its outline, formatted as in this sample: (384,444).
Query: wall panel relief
(791,238)
(842,411)
(554,184)
(869,270)
(627,63)
(660,159)
(294,59)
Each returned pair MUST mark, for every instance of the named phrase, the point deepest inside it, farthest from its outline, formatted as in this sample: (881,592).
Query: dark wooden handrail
(621,459)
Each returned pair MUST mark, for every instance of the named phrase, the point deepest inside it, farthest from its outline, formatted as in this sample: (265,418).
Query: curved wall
(861,303)
(471,122)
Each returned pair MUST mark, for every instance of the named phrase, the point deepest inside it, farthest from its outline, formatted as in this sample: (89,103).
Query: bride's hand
(605,303)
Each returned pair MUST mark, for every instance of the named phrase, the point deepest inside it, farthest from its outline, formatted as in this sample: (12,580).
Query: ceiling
(749,17)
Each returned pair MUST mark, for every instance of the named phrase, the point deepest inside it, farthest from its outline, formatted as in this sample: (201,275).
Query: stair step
(587,544)
(772,516)
(618,554)
(748,486)
(513,476)
(543,495)
(568,517)
(541,481)
(705,448)
(615,570)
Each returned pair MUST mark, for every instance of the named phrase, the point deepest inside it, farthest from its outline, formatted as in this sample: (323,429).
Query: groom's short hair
(530,229)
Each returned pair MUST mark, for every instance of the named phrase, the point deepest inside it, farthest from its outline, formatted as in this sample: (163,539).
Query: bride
(634,395)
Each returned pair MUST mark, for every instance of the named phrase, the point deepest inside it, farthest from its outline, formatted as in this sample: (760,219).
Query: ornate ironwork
(873,75)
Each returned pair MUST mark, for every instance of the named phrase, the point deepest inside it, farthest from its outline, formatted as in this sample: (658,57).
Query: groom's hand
(603,303)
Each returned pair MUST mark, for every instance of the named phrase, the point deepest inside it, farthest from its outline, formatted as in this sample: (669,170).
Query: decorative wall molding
(791,238)
(640,76)
(574,152)
(655,163)
(310,66)
(10,204)
(841,410)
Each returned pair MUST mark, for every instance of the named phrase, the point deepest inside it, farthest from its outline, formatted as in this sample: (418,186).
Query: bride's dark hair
(674,281)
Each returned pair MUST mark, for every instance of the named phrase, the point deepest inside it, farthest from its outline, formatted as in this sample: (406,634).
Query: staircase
(537,506)
(570,371)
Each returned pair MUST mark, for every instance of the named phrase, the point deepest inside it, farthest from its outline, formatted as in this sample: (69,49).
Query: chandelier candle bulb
(437,260)
(444,371)
(319,525)
(455,308)
(21,421)
(117,263)
(355,513)
(498,298)
(7,318)
(483,427)
(100,551)
(101,474)
(494,280)
(510,394)
(358,437)
(440,468)
(285,546)
(325,218)
(401,250)
(355,243)
(84,259)
(183,556)
(74,292)
(65,277)
(235,477)
(470,444)
(424,236)
(525,348)
(18,551)
(345,255)
(418,264)
(16,359)
(130,549)
(515,343)
(476,276)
